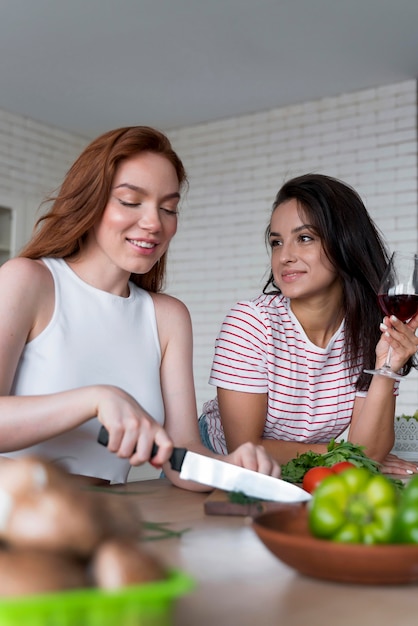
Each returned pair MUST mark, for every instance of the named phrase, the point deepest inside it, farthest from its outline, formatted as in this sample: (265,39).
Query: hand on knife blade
(222,475)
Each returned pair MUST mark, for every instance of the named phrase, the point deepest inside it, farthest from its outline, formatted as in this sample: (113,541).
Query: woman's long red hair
(85,191)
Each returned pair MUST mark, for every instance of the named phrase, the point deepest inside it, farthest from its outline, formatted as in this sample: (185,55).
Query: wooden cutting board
(218,503)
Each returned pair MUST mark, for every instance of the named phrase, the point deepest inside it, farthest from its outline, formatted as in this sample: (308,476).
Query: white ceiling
(90,65)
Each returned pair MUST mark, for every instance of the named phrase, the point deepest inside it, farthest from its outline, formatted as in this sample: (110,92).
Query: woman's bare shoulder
(173,319)
(27,274)
(169,305)
(29,282)
(23,266)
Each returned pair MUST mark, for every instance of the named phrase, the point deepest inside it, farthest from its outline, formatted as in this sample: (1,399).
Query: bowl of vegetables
(359,527)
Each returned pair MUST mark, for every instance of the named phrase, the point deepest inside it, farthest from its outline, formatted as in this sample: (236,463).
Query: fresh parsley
(294,470)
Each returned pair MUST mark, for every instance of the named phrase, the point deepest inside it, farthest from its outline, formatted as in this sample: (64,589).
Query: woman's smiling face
(300,267)
(140,217)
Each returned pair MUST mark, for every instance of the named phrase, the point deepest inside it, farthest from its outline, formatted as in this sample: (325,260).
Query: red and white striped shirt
(262,348)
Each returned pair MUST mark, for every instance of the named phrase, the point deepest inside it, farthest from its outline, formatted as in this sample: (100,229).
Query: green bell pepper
(355,506)
(405,529)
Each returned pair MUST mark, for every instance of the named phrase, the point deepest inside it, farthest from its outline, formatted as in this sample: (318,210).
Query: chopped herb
(238,497)
(153,531)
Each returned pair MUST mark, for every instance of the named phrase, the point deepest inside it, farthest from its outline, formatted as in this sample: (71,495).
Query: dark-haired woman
(288,365)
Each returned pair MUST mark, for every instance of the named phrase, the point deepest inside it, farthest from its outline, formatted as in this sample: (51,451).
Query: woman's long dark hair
(84,194)
(356,249)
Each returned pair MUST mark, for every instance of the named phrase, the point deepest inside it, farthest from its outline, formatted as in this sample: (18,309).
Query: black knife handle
(103,437)
(176,459)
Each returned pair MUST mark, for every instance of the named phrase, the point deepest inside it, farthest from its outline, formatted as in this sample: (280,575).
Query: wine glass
(398,295)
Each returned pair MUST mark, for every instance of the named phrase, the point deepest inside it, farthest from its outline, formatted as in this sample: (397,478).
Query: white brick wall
(236,166)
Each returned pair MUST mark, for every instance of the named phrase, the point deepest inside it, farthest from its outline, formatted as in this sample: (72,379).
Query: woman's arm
(243,414)
(243,418)
(175,332)
(26,307)
(372,423)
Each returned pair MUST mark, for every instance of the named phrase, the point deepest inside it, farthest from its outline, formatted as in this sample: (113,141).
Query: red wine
(404,306)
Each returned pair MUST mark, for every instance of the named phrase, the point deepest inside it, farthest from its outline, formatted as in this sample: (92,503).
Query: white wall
(33,160)
(236,166)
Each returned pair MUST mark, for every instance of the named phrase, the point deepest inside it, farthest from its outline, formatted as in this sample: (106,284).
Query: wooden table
(240,583)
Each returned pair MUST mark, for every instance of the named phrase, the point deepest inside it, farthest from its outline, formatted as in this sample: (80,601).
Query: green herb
(154,531)
(238,497)
(408,417)
(399,484)
(294,470)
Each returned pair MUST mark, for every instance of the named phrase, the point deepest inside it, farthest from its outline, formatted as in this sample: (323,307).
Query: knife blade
(226,476)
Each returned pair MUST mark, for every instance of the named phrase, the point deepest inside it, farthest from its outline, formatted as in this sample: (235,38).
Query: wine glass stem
(388,359)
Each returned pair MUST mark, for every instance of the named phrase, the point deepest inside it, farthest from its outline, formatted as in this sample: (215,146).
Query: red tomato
(314,476)
(342,466)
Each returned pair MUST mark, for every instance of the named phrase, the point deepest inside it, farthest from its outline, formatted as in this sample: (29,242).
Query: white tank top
(94,337)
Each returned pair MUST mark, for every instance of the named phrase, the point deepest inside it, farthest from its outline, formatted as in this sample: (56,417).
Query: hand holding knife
(176,458)
(222,475)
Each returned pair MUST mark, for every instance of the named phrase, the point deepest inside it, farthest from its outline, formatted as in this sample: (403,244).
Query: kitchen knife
(221,475)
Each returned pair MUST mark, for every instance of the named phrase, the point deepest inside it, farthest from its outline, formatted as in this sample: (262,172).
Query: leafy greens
(294,470)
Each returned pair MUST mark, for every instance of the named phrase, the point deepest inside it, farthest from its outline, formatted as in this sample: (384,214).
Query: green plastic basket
(149,604)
